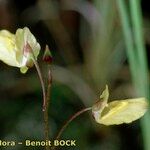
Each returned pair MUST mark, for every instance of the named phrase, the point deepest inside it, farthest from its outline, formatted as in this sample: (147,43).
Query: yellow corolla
(118,111)
(18,49)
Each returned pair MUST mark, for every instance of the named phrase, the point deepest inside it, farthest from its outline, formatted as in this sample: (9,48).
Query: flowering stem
(46,97)
(69,121)
(42,83)
(47,107)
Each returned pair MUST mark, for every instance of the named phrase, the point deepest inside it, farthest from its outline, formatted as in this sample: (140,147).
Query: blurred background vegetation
(93,42)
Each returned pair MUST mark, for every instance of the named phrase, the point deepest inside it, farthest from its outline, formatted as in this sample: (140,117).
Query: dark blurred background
(85,38)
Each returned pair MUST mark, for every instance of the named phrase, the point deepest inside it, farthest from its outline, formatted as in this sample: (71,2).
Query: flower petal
(23,37)
(8,48)
(123,111)
(98,107)
(18,50)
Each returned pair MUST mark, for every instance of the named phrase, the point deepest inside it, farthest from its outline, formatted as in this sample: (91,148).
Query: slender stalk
(46,118)
(69,121)
(46,97)
(42,83)
(49,87)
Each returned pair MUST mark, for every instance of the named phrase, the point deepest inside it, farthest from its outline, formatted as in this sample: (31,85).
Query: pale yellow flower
(118,111)
(18,49)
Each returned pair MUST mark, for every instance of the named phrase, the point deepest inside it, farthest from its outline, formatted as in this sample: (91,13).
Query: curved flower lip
(14,48)
(118,111)
(123,111)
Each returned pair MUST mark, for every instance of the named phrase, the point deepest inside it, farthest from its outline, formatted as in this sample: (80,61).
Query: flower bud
(47,57)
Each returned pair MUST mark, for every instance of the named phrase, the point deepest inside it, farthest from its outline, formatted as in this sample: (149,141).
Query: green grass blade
(127,37)
(136,54)
(142,61)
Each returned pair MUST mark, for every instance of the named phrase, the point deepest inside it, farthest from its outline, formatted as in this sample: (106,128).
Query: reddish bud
(47,57)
